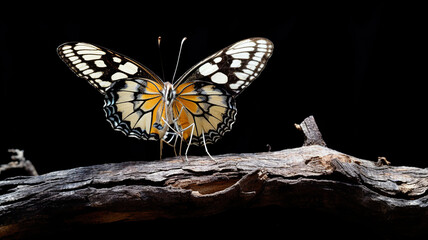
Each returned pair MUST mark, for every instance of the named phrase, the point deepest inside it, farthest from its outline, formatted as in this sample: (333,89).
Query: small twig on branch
(382,161)
(17,164)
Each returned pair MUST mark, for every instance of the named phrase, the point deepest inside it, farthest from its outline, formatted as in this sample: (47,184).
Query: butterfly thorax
(168,93)
(165,116)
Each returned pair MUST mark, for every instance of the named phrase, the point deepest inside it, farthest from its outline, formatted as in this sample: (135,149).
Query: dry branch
(307,177)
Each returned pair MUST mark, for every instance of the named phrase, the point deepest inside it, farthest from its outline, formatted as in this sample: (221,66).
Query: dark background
(359,68)
(356,67)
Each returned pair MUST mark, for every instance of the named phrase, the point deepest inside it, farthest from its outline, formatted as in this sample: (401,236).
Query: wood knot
(325,162)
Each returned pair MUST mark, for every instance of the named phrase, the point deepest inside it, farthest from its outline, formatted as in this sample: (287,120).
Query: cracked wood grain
(172,188)
(311,176)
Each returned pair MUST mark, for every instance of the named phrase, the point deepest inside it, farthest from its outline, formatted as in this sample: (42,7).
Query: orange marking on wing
(194,98)
(159,113)
(150,104)
(153,88)
(185,88)
(144,96)
(183,119)
(190,105)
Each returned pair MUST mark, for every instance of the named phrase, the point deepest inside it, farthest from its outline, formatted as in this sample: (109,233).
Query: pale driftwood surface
(308,177)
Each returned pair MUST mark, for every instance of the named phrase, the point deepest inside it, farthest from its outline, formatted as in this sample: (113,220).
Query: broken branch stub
(312,135)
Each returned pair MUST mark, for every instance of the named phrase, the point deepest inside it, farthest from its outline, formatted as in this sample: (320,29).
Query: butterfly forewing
(101,66)
(233,68)
(206,92)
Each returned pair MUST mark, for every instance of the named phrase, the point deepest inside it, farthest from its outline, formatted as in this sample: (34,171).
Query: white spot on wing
(102,83)
(257,58)
(241,75)
(88,71)
(96,74)
(243,55)
(247,71)
(219,78)
(84,47)
(248,43)
(234,86)
(91,57)
(208,69)
(73,58)
(118,75)
(217,59)
(238,50)
(252,67)
(129,68)
(66,47)
(237,85)
(76,61)
(262,48)
(82,66)
(254,63)
(259,54)
(235,63)
(84,52)
(100,64)
(243,43)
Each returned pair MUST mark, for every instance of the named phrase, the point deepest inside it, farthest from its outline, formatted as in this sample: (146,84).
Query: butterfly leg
(205,145)
(181,145)
(176,134)
(177,126)
(170,140)
(175,144)
(190,141)
(160,149)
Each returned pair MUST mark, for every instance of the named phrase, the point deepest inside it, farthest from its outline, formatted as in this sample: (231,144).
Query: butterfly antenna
(160,56)
(178,59)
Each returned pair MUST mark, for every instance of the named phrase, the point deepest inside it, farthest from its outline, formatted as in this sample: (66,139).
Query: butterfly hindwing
(233,68)
(135,107)
(201,110)
(101,66)
(204,110)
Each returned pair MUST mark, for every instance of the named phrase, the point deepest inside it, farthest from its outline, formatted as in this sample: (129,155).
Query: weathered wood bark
(306,177)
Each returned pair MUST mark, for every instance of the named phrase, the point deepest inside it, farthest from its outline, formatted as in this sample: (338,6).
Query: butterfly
(199,107)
